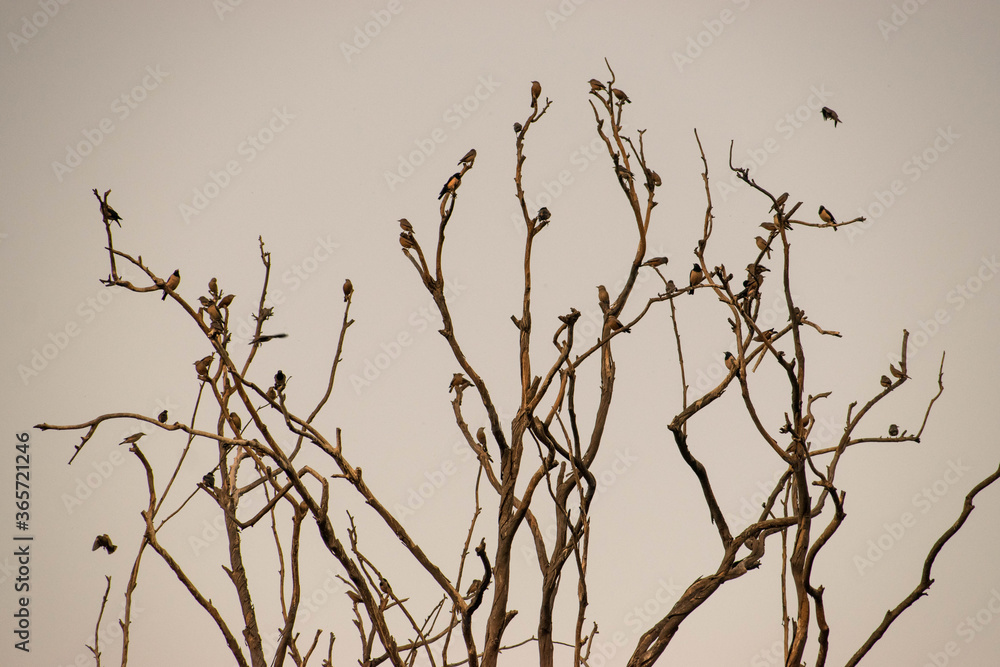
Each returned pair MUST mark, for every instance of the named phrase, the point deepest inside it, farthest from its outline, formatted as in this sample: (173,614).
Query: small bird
(406,240)
(830,114)
(603,298)
(237,423)
(697,275)
(654,179)
(826,216)
(764,335)
(162,417)
(616,325)
(109,214)
(405,225)
(885,381)
(458,381)
(893,430)
(226,301)
(763,246)
(213,287)
(536,90)
(769,226)
(132,439)
(896,373)
(780,201)
(172,282)
(451,185)
(280,380)
(481,436)
(544,214)
(469,158)
(209,479)
(622,97)
(731,363)
(656,261)
(596,85)
(103,542)
(201,367)
(473,588)
(517,128)
(670,287)
(348,289)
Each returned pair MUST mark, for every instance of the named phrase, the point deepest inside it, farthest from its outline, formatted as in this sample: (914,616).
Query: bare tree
(544,457)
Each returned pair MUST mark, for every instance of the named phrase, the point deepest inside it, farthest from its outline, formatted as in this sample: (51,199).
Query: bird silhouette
(830,114)
(172,282)
(696,276)
(469,158)
(103,542)
(536,91)
(348,289)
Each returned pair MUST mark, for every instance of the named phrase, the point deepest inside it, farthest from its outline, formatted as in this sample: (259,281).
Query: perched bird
(226,301)
(763,246)
(670,287)
(213,286)
(162,417)
(544,214)
(620,94)
(237,423)
(656,261)
(769,226)
(896,373)
(517,128)
(536,90)
(405,225)
(473,588)
(451,185)
(697,275)
(830,114)
(731,363)
(481,438)
(885,381)
(406,240)
(603,298)
(458,381)
(104,542)
(280,380)
(348,289)
(132,439)
(172,282)
(780,201)
(201,367)
(271,394)
(764,335)
(826,216)
(209,479)
(654,179)
(596,85)
(109,214)
(622,171)
(469,158)
(616,325)
(893,430)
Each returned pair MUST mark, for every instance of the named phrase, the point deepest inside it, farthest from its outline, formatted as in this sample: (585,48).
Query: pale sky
(318,127)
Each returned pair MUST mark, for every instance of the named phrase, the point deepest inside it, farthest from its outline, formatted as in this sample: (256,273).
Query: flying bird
(263,338)
(132,439)
(451,185)
(348,289)
(172,282)
(826,216)
(536,90)
(162,417)
(603,298)
(469,158)
(596,85)
(103,542)
(697,275)
(830,114)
